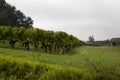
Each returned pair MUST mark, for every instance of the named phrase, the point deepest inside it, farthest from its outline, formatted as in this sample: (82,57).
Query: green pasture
(95,62)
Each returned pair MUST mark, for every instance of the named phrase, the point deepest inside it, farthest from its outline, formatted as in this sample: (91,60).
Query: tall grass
(12,69)
(90,63)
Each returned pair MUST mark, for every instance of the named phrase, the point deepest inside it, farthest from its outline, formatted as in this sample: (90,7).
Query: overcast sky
(81,18)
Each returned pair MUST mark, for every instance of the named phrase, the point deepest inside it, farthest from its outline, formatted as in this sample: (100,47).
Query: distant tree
(91,38)
(115,41)
(108,40)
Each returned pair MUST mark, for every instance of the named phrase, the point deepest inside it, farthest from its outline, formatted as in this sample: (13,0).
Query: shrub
(23,70)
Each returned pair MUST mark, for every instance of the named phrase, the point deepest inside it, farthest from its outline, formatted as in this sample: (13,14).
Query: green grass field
(96,63)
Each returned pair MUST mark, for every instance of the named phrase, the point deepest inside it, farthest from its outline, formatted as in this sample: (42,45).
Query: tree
(9,16)
(91,39)
(28,22)
(115,41)
(2,4)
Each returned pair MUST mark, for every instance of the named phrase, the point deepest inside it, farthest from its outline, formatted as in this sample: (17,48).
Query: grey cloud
(81,18)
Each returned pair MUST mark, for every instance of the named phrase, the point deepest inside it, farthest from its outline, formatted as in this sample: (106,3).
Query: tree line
(49,41)
(115,41)
(10,16)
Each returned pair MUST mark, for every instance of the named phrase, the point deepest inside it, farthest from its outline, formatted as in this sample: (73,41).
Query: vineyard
(22,56)
(29,53)
(49,41)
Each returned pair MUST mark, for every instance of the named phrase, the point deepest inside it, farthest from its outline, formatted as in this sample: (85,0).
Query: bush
(16,69)
(12,69)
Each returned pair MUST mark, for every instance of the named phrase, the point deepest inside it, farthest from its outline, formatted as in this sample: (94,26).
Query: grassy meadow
(87,63)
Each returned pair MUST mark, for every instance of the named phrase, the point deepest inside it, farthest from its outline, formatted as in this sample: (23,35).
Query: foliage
(115,41)
(9,16)
(49,41)
(91,38)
